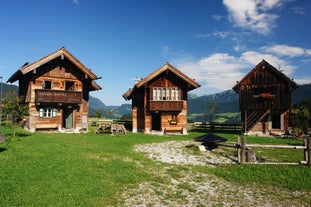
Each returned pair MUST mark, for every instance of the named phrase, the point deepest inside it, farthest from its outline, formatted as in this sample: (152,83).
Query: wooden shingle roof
(277,73)
(63,53)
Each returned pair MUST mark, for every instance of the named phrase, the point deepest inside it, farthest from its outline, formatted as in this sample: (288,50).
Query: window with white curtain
(166,94)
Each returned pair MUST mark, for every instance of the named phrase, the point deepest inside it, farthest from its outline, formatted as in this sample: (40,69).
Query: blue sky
(214,42)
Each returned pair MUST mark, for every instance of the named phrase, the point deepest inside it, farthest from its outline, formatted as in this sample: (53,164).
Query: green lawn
(94,169)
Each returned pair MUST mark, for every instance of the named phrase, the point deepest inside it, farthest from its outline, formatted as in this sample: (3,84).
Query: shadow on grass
(2,149)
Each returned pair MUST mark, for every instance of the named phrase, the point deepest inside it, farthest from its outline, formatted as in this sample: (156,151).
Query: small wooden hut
(265,100)
(56,89)
(159,101)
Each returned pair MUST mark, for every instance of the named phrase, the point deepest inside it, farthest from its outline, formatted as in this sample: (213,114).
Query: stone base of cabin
(272,132)
(174,130)
(254,133)
(54,128)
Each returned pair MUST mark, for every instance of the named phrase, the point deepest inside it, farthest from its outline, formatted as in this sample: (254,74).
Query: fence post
(305,151)
(238,147)
(308,151)
(243,146)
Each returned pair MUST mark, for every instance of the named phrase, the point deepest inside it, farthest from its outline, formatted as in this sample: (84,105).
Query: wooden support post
(308,151)
(238,145)
(305,151)
(243,146)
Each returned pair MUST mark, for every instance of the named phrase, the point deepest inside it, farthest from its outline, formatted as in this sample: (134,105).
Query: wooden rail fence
(246,155)
(216,127)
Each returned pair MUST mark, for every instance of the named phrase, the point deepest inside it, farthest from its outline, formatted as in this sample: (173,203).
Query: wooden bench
(173,129)
(47,126)
(118,129)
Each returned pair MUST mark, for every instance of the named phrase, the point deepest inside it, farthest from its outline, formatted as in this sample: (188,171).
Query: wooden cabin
(265,100)
(56,89)
(159,101)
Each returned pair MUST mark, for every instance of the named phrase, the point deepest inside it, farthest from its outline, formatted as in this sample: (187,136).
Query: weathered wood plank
(275,146)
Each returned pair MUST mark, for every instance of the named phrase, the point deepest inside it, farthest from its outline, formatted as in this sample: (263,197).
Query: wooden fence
(216,127)
(246,155)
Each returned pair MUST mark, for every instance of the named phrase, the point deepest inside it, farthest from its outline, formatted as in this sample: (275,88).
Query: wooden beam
(275,146)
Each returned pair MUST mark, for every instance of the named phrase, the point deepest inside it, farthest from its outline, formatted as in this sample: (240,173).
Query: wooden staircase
(254,117)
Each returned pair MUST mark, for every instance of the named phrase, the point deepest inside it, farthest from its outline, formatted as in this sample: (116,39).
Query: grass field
(95,169)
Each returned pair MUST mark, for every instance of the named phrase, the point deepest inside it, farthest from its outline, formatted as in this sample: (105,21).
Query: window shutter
(53,112)
(41,113)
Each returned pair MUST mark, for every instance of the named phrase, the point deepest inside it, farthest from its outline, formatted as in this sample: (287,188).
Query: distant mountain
(301,94)
(7,87)
(96,103)
(226,101)
(227,108)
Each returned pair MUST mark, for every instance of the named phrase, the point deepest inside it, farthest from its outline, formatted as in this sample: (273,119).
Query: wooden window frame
(46,83)
(166,94)
(47,112)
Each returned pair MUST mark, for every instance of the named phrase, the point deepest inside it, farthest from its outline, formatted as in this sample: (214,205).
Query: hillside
(301,94)
(226,101)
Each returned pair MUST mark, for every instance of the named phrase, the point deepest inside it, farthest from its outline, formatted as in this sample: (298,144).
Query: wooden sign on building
(56,89)
(265,100)
(159,101)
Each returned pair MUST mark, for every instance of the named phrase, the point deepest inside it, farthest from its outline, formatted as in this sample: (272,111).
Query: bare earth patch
(190,188)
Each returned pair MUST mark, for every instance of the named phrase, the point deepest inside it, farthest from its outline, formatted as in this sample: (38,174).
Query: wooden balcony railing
(165,105)
(58,96)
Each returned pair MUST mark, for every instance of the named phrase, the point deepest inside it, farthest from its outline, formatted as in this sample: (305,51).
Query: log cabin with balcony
(265,100)
(159,101)
(56,89)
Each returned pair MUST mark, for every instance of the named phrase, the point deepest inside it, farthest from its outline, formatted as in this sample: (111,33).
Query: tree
(300,116)
(212,107)
(126,117)
(15,106)
(109,112)
(98,113)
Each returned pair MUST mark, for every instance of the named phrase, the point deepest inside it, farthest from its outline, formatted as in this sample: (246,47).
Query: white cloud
(217,17)
(218,71)
(253,15)
(285,50)
(217,34)
(305,80)
(165,50)
(220,34)
(253,58)
(202,36)
(76,2)
(298,10)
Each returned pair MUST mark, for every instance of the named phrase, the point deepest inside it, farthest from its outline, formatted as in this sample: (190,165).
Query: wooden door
(276,121)
(156,121)
(68,118)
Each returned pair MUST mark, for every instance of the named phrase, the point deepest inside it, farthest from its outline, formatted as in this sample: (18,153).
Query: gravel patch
(190,188)
(175,152)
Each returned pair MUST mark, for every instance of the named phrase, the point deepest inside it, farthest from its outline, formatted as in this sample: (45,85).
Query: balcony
(165,105)
(58,96)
